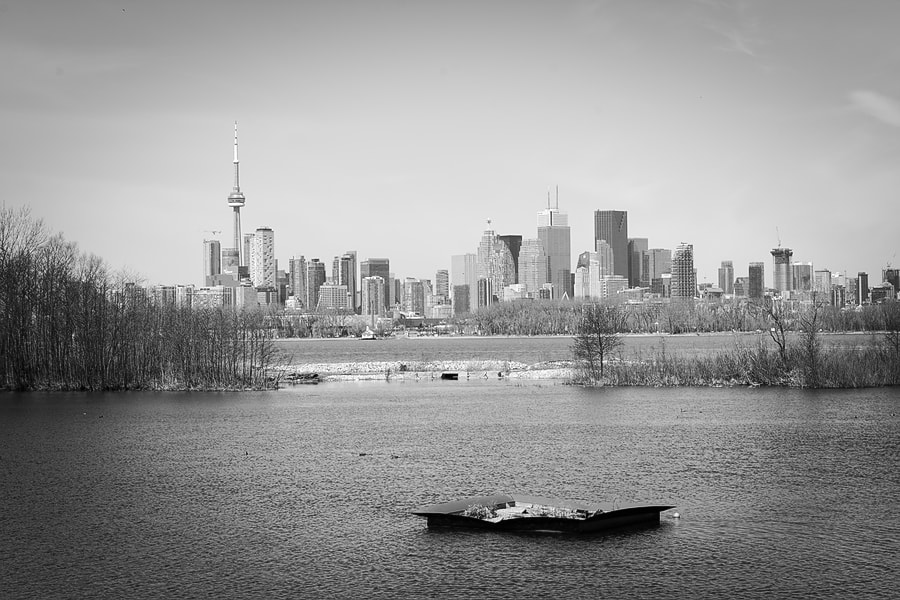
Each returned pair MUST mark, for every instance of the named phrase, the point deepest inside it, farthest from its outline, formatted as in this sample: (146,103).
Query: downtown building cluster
(502,268)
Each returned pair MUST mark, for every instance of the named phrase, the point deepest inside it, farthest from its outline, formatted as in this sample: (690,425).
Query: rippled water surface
(307,492)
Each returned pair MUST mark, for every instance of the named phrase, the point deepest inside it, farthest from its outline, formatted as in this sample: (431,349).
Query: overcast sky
(397,128)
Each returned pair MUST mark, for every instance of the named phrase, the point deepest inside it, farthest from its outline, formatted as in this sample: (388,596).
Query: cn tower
(236,201)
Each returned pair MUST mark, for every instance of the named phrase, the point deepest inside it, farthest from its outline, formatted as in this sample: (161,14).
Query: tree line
(68,322)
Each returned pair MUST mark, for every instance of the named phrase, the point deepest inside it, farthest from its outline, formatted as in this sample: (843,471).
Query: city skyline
(740,128)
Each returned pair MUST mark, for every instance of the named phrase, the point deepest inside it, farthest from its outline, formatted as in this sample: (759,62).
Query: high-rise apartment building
(756,281)
(413,296)
(726,277)
(262,258)
(464,274)
(637,249)
(612,226)
(556,238)
(315,279)
(378,267)
(684,277)
(343,272)
(782,273)
(442,284)
(372,294)
(297,278)
(212,261)
(823,281)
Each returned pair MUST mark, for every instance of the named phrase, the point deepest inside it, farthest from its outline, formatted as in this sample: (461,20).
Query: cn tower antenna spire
(236,201)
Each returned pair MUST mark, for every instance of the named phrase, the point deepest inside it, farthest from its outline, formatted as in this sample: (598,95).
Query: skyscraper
(684,278)
(659,262)
(605,259)
(612,226)
(372,295)
(315,279)
(236,201)
(803,277)
(212,261)
(464,281)
(379,267)
(726,277)
(297,275)
(262,258)
(556,238)
(495,264)
(756,281)
(514,243)
(862,288)
(637,249)
(343,272)
(532,266)
(442,284)
(782,273)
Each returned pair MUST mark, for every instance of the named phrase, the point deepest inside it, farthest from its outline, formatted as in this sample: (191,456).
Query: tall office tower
(891,276)
(783,273)
(372,295)
(414,296)
(556,237)
(726,277)
(262,258)
(606,258)
(464,272)
(803,276)
(344,273)
(297,278)
(756,281)
(378,267)
(637,249)
(212,261)
(862,288)
(659,261)
(495,261)
(612,226)
(822,281)
(461,297)
(514,243)
(684,277)
(236,201)
(533,266)
(442,283)
(315,279)
(396,291)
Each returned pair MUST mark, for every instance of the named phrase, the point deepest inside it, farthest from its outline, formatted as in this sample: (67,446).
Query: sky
(398,128)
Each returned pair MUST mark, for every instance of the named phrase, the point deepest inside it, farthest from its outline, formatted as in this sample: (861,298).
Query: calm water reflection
(306,492)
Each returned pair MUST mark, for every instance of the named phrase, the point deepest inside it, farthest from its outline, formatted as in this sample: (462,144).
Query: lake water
(782,493)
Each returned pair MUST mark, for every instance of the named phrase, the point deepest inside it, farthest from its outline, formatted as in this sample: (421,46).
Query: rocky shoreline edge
(413,370)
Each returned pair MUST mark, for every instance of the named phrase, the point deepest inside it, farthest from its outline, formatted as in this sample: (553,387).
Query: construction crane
(778,235)
(212,231)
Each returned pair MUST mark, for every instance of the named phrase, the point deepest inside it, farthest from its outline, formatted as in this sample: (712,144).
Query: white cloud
(876,105)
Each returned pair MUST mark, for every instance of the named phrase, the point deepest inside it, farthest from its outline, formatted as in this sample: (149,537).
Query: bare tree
(597,337)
